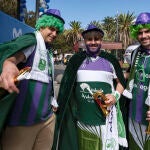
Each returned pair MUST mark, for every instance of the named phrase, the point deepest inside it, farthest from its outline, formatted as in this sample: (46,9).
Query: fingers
(9,72)
(54,109)
(111,99)
(8,84)
(148,115)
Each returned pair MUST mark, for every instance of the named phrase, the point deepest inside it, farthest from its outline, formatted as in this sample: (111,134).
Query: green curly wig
(134,29)
(49,21)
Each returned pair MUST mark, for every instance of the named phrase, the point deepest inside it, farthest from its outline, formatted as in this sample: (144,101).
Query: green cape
(6,50)
(65,130)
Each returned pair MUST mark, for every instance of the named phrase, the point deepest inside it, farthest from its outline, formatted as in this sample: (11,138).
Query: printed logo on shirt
(42,64)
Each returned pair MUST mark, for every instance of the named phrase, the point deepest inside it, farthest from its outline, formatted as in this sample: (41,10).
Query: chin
(49,41)
(93,50)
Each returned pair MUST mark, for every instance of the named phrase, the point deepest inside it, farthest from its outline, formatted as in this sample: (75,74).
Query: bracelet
(117,95)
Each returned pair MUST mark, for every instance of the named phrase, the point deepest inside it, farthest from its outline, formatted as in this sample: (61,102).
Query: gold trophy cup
(100,99)
(20,76)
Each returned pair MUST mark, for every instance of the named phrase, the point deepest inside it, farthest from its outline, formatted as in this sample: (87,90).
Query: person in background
(82,124)
(31,121)
(138,86)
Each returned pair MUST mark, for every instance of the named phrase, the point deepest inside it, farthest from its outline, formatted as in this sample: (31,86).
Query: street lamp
(37,9)
(117,32)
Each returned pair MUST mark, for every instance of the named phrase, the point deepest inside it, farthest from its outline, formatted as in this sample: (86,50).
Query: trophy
(99,98)
(23,74)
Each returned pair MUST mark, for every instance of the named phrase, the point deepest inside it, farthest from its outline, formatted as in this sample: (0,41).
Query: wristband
(117,95)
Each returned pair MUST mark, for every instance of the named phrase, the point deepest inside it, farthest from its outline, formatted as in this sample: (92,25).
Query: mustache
(93,45)
(142,39)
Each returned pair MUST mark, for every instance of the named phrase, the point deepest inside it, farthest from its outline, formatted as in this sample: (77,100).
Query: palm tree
(124,22)
(117,28)
(73,35)
(30,18)
(109,28)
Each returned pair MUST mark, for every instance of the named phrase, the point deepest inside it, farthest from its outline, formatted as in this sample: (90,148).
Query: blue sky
(86,11)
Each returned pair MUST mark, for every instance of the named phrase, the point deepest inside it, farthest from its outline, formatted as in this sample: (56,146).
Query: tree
(109,28)
(60,44)
(30,18)
(9,7)
(73,35)
(117,28)
(124,22)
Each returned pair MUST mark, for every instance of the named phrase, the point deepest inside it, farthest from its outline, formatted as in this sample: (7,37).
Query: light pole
(37,9)
(117,32)
(18,9)
(117,36)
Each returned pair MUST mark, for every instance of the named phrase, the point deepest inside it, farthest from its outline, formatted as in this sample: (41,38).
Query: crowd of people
(88,112)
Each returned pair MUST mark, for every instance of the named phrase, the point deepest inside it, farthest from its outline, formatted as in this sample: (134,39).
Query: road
(59,69)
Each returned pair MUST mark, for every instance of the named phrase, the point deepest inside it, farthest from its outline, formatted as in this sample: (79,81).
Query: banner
(11,28)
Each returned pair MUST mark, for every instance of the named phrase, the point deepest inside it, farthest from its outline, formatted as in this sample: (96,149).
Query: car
(66,58)
(128,52)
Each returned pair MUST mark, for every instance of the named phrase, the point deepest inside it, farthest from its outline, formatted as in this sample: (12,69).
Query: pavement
(60,66)
(59,70)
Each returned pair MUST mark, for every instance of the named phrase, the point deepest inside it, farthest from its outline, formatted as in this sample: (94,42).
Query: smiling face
(93,41)
(144,37)
(49,34)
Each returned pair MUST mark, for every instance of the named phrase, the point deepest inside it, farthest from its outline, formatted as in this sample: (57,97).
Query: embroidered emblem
(110,144)
(42,64)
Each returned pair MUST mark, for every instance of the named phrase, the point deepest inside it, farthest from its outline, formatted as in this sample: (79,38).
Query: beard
(93,52)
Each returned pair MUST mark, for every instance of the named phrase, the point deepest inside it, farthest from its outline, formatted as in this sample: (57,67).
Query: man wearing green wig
(31,121)
(138,87)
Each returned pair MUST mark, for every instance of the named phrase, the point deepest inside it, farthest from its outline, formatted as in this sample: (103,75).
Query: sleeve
(28,51)
(54,102)
(113,72)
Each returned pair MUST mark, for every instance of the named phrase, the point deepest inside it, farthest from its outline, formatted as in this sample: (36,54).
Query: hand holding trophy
(99,98)
(23,74)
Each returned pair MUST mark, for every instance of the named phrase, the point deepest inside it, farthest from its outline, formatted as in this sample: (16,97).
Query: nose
(93,41)
(54,33)
(143,34)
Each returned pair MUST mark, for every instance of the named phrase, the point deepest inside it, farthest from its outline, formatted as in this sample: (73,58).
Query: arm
(10,71)
(111,97)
